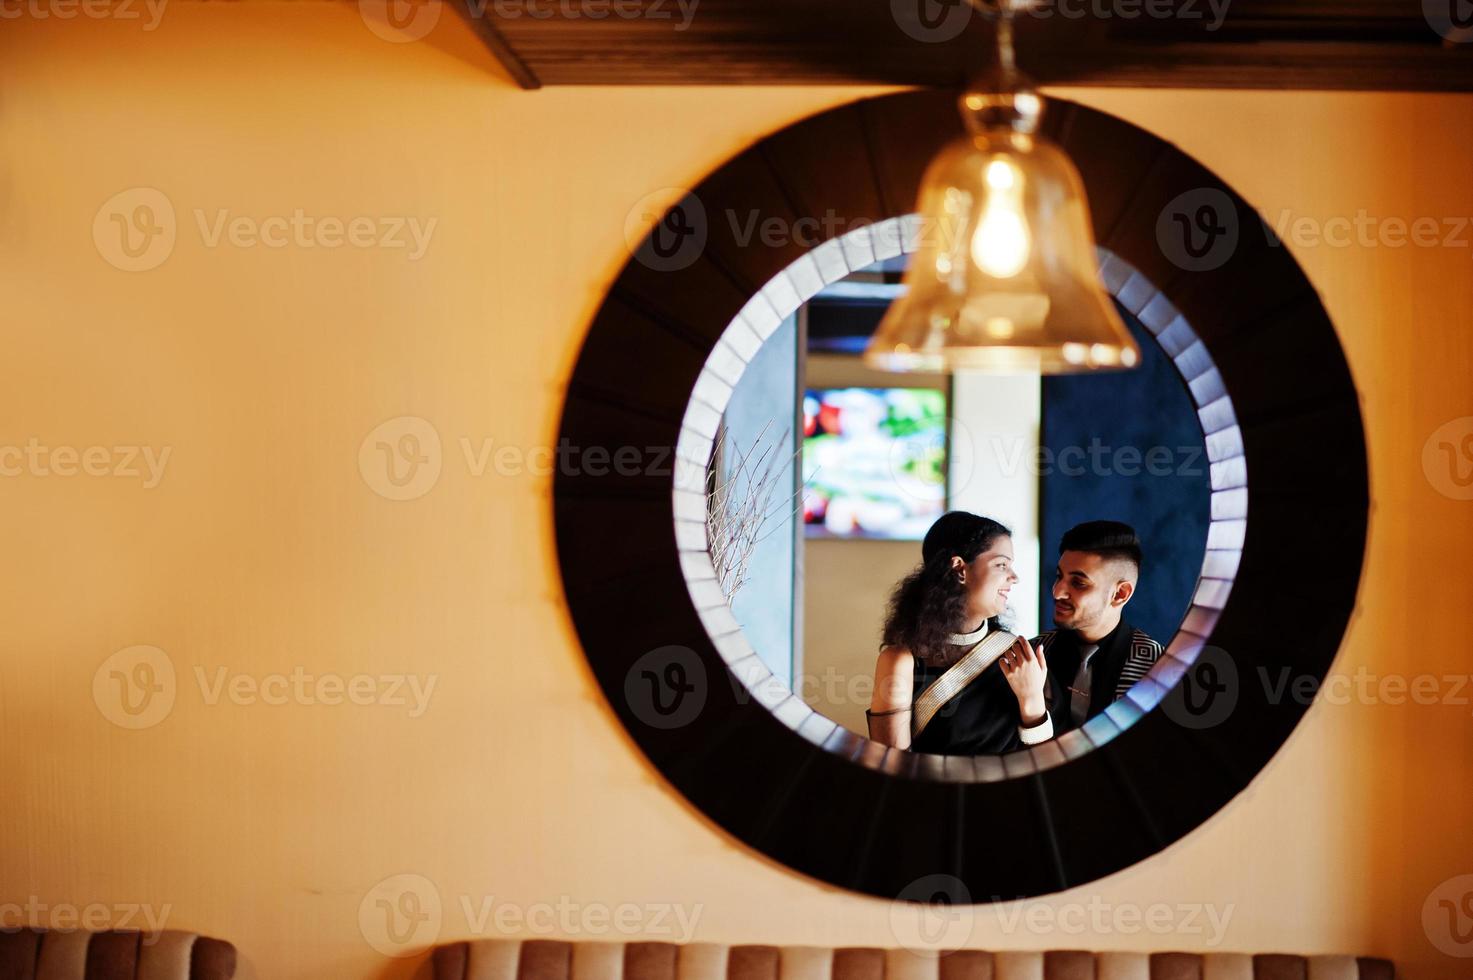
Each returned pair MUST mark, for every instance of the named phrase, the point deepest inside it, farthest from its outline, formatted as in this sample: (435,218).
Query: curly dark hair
(927,606)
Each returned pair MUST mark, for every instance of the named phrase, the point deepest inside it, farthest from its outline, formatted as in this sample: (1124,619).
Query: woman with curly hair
(949,679)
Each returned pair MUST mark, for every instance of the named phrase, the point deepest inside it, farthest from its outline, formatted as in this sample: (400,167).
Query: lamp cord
(1003,11)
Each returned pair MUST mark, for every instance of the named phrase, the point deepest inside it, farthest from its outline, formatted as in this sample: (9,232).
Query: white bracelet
(1039,733)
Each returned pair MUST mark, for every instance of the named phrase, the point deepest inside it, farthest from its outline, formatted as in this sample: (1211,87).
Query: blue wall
(1122,417)
(767,392)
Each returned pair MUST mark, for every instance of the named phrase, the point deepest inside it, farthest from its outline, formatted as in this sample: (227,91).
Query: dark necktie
(1079,690)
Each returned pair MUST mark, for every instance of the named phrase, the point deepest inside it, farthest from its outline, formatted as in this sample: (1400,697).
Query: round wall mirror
(731,583)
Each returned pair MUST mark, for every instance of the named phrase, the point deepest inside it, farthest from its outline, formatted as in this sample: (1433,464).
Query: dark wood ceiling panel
(806,168)
(906,132)
(1305,44)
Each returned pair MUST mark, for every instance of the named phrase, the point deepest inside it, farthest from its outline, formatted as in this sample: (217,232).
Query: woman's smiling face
(989,578)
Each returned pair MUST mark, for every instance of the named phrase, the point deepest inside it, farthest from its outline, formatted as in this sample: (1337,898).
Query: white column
(994,471)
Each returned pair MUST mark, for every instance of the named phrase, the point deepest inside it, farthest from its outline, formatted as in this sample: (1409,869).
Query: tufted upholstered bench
(74,954)
(497,959)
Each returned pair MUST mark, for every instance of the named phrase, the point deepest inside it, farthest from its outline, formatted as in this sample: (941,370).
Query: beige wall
(262,550)
(846,586)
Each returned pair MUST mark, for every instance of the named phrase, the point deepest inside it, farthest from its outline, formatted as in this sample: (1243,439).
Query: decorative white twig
(739,508)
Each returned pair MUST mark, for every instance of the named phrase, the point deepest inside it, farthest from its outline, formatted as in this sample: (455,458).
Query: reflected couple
(826,476)
(951,679)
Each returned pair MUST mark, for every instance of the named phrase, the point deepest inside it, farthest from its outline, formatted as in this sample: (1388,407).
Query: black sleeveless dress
(982,720)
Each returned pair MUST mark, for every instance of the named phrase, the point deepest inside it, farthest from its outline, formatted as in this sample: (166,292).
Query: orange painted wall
(263,550)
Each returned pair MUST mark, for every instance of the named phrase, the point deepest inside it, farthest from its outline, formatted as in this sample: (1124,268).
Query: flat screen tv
(874,462)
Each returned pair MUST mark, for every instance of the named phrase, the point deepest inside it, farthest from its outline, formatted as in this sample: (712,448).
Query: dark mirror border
(832,805)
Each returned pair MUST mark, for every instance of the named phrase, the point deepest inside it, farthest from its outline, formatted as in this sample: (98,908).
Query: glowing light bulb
(1001,175)
(1001,244)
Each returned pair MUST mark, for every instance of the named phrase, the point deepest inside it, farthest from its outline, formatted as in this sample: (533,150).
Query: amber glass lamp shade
(1004,278)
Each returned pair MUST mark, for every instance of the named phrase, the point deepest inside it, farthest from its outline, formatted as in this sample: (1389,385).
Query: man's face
(1086,588)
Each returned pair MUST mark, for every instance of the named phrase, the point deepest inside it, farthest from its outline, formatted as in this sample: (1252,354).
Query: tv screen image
(874,461)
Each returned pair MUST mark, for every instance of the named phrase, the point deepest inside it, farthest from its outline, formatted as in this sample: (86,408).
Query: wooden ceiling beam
(1383,45)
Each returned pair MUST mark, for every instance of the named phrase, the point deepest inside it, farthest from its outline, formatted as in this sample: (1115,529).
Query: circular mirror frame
(1275,398)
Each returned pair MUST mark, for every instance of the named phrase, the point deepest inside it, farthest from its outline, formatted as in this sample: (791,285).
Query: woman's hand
(1026,671)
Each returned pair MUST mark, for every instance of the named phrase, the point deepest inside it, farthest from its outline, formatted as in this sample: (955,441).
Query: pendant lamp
(1004,277)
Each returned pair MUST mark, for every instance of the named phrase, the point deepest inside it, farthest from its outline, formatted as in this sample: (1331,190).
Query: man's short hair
(1111,540)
